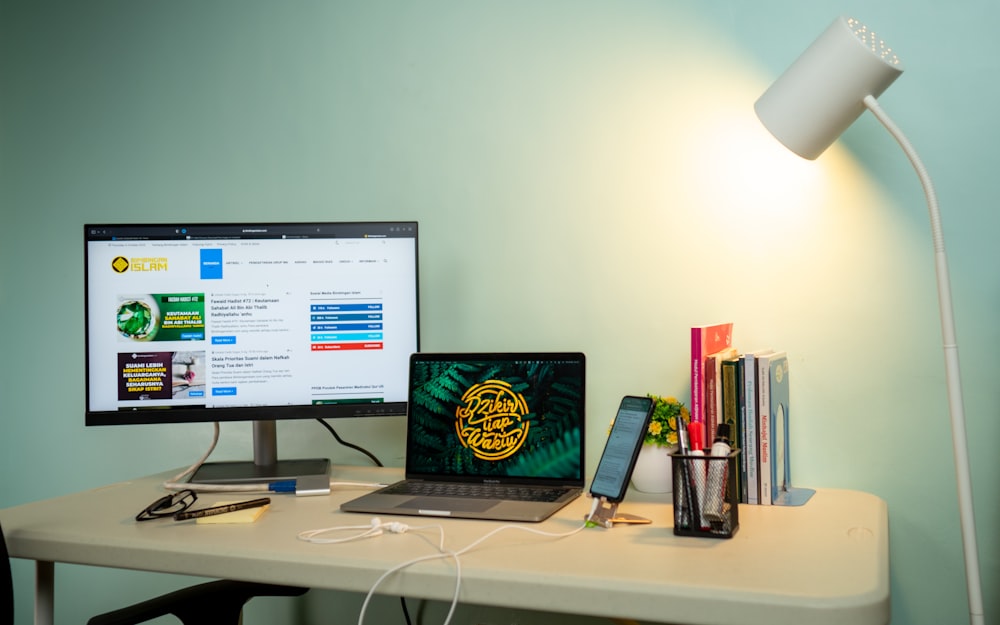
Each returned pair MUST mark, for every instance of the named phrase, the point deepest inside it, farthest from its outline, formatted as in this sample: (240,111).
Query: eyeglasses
(168,505)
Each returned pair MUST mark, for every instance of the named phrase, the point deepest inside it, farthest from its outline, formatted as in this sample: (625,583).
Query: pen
(682,514)
(232,507)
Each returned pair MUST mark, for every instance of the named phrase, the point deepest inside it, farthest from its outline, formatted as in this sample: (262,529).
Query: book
(713,390)
(750,443)
(732,390)
(764,426)
(779,396)
(705,340)
(741,433)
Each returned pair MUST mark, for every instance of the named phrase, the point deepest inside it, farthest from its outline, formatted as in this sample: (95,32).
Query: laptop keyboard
(510,492)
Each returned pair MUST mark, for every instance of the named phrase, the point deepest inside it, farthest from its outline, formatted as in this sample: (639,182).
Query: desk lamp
(834,81)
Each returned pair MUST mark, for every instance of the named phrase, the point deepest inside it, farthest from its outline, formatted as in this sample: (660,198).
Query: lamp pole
(953,375)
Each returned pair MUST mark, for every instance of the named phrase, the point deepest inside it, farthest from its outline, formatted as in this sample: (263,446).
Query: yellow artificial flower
(663,423)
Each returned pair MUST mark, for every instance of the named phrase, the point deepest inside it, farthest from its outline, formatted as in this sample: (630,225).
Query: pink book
(705,340)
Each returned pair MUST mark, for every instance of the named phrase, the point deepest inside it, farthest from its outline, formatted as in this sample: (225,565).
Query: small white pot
(653,470)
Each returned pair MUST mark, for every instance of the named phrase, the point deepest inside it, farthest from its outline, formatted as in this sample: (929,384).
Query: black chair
(212,602)
(219,602)
(6,585)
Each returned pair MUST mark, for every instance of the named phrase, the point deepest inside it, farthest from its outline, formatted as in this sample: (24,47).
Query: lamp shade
(823,92)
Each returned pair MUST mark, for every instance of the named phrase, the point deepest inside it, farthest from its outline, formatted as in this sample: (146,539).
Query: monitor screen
(252,321)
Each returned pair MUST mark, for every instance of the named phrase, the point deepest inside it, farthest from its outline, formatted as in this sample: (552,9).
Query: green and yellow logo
(121,264)
(489,422)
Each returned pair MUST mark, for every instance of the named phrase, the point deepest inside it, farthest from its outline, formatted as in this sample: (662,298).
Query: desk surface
(825,562)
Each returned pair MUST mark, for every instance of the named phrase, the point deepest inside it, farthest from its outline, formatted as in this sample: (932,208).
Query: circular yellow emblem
(489,422)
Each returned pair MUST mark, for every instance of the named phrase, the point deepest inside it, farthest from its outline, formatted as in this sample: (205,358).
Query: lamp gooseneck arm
(952,372)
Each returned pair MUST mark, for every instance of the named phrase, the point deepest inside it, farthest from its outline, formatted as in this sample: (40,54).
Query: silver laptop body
(480,422)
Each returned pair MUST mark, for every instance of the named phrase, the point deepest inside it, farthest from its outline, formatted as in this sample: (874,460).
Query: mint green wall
(581,178)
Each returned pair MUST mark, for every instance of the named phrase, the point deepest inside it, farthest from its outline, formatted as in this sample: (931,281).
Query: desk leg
(45,577)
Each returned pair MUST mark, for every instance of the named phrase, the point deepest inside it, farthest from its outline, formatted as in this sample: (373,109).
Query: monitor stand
(265,467)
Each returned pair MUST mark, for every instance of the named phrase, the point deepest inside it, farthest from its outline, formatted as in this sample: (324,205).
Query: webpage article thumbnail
(161,317)
(160,375)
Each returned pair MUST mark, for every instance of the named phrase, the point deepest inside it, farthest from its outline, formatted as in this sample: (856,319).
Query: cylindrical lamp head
(823,92)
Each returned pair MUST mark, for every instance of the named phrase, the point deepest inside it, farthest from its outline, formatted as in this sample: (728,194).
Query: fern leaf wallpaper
(497,415)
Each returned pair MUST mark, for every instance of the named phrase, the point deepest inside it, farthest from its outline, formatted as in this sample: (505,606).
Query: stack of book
(750,392)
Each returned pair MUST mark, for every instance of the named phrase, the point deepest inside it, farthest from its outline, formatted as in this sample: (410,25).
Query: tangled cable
(377,527)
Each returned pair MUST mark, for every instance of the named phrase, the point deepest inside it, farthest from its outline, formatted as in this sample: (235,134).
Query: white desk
(826,562)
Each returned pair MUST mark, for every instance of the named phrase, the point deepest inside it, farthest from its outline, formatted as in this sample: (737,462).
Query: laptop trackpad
(445,504)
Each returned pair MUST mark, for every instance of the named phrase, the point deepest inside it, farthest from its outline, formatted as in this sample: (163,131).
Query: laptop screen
(496,416)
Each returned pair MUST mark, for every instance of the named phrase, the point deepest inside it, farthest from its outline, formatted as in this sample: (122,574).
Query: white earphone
(375,528)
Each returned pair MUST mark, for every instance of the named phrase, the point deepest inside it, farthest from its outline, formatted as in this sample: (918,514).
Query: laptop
(496,436)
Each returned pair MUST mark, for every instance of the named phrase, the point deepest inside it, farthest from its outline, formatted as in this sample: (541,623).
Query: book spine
(705,340)
(741,415)
(750,427)
(764,428)
(713,389)
(711,397)
(697,374)
(730,403)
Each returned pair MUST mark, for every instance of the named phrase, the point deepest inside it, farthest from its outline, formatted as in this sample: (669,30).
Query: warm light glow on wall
(759,217)
(735,172)
(759,175)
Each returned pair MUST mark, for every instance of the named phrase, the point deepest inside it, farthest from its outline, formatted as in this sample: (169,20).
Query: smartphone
(621,450)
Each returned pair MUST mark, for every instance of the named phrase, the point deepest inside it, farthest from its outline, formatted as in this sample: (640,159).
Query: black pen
(684,497)
(232,507)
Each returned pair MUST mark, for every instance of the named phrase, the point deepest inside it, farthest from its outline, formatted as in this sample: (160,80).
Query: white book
(764,426)
(749,423)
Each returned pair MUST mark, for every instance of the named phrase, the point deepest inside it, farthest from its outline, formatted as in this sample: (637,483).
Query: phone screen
(618,459)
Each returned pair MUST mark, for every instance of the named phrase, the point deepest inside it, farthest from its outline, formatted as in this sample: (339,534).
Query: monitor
(249,322)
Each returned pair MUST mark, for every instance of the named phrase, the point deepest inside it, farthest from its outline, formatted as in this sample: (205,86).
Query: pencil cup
(706,495)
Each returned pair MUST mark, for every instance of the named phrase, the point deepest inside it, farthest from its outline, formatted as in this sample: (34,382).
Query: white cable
(176,482)
(593,510)
(399,567)
(458,564)
(371,530)
(375,529)
(313,536)
(359,484)
(523,528)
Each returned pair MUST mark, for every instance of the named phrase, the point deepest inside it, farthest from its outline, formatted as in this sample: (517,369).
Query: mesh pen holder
(706,495)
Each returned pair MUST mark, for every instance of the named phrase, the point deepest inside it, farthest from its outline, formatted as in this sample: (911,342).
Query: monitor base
(248,472)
